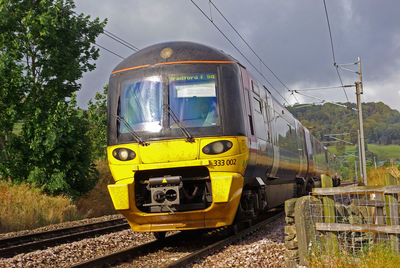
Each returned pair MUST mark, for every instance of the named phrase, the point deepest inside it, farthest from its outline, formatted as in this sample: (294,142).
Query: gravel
(264,248)
(67,254)
(61,225)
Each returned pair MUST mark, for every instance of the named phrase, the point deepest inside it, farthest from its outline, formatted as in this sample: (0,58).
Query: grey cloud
(290,36)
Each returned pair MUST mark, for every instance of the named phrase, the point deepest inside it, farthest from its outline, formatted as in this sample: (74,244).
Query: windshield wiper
(131,131)
(189,137)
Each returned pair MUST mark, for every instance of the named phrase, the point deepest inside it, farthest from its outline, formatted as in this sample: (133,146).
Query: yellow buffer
(120,196)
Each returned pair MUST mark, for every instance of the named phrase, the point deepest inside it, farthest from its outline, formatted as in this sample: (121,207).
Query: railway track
(200,251)
(25,243)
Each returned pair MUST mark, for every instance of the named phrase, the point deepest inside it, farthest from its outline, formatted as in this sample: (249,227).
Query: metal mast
(359,91)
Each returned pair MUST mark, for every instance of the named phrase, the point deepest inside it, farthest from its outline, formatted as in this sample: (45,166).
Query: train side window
(249,113)
(255,87)
(257,105)
(251,125)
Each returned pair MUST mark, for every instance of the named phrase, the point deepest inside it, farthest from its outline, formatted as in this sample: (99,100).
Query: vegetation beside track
(379,256)
(377,177)
(24,206)
(97,202)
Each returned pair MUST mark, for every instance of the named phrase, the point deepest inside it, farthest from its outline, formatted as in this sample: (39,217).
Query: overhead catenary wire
(323,101)
(120,40)
(323,88)
(333,50)
(115,38)
(238,50)
(108,50)
(247,44)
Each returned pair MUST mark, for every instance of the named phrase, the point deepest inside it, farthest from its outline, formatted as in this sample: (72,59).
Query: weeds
(25,207)
(22,206)
(97,202)
(374,257)
(377,177)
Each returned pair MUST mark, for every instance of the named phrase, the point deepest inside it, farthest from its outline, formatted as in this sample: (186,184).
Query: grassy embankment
(25,207)
(379,256)
(377,177)
(383,152)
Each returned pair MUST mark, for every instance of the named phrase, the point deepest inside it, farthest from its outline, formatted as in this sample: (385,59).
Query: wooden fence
(357,217)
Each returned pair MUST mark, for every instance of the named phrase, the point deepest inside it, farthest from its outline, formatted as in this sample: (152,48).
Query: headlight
(123,154)
(217,147)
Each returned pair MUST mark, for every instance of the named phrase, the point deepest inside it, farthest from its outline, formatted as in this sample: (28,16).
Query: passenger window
(251,125)
(255,87)
(257,105)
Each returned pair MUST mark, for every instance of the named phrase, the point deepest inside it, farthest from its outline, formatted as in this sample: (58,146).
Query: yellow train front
(194,141)
(177,145)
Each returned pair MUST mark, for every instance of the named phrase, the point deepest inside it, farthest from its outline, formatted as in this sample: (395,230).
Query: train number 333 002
(228,162)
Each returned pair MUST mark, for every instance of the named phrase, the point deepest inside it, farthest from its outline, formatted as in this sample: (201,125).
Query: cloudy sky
(290,36)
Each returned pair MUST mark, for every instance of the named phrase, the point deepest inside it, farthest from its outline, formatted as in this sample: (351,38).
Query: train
(196,142)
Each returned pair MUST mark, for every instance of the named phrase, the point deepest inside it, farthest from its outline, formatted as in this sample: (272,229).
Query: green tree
(45,48)
(65,147)
(97,116)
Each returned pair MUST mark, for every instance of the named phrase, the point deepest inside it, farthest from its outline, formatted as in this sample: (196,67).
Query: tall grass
(24,207)
(378,256)
(98,202)
(377,177)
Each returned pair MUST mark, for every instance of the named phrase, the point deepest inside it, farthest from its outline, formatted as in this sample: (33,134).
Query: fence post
(392,211)
(291,242)
(329,214)
(308,210)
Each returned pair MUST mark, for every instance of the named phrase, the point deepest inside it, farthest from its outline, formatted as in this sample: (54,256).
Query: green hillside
(381,152)
(381,128)
(381,123)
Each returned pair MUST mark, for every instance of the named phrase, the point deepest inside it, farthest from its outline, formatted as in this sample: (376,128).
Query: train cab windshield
(148,102)
(193,98)
(141,105)
(173,101)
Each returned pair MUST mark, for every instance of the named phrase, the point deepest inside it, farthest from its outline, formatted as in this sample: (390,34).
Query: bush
(58,156)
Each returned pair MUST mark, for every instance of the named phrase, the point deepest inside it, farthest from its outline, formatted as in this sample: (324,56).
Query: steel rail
(133,252)
(129,253)
(24,243)
(222,243)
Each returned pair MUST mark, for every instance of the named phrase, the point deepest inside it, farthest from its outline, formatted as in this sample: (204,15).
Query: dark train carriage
(194,140)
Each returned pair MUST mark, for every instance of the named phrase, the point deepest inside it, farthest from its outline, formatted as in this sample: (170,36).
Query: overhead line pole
(359,153)
(359,91)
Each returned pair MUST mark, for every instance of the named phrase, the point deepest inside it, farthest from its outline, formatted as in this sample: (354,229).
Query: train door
(301,148)
(251,137)
(274,137)
(310,160)
(263,162)
(269,154)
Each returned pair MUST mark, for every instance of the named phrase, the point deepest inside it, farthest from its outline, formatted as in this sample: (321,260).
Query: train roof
(173,52)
